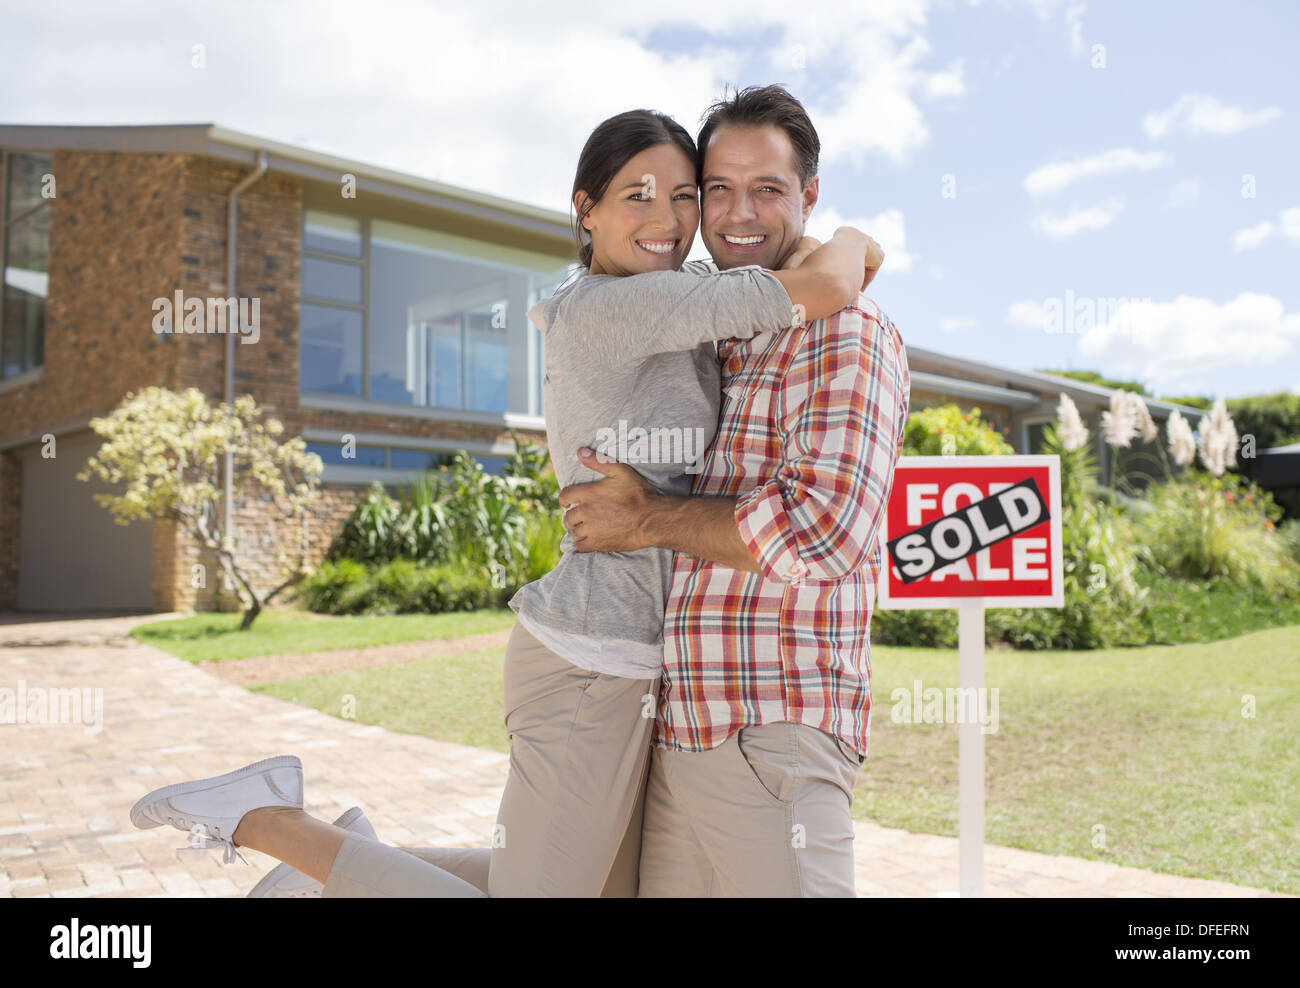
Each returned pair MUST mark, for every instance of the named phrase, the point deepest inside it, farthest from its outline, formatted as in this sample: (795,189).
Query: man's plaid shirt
(810,429)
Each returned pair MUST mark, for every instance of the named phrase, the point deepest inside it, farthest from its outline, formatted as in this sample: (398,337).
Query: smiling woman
(609,149)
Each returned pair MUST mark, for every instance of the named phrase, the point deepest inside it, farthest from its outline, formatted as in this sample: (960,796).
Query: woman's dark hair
(611,146)
(761,105)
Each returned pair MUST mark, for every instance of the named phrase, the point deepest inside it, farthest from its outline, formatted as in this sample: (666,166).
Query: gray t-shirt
(631,371)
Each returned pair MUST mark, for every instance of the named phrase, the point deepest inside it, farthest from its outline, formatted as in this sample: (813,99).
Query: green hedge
(402,586)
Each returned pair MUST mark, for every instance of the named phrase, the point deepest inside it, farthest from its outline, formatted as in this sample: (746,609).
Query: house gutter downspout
(231,292)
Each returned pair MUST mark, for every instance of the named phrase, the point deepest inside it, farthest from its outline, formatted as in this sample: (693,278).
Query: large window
(404,315)
(24,258)
(333,305)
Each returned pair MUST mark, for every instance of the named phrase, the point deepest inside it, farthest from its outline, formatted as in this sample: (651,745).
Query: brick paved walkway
(66,788)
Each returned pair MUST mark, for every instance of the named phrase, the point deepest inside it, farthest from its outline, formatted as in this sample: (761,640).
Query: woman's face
(648,216)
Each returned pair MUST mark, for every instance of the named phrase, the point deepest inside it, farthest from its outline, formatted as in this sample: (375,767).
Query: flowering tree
(168,449)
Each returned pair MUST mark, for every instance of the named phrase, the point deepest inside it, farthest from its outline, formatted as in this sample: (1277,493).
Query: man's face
(753,209)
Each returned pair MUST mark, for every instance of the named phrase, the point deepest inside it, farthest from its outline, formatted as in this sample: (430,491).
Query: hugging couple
(688,691)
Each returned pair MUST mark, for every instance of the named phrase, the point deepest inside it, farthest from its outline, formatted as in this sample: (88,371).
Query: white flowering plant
(167,450)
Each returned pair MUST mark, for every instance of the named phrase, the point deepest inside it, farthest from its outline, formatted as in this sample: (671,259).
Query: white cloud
(1252,236)
(1287,226)
(1061,174)
(1201,115)
(1045,10)
(1031,315)
(1184,194)
(1078,220)
(1074,24)
(887,228)
(957,324)
(1191,339)
(872,109)
(488,94)
(948,82)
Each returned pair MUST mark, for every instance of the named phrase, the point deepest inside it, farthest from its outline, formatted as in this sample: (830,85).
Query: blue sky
(1076,183)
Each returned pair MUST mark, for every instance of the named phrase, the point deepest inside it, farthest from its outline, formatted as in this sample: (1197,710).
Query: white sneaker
(286,882)
(209,810)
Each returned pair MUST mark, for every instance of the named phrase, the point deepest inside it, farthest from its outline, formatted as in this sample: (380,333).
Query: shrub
(1103,602)
(401,586)
(393,587)
(945,430)
(370,533)
(447,588)
(1202,527)
(1273,419)
(460,516)
(1289,533)
(337,587)
(542,535)
(919,628)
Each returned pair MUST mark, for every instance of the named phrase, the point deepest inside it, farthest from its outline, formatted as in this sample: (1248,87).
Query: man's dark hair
(756,106)
(612,145)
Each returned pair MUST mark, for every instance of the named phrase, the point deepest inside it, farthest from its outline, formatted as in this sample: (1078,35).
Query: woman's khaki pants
(570,816)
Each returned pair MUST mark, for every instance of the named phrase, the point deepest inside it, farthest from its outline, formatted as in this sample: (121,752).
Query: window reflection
(440,327)
(329,353)
(26,264)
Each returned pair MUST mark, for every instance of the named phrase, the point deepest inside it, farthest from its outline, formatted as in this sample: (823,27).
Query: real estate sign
(975,530)
(970,532)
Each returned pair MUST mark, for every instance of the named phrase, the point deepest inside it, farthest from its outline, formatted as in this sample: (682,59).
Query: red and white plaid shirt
(810,429)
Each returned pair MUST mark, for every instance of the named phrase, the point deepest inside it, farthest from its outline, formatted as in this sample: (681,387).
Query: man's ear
(810,193)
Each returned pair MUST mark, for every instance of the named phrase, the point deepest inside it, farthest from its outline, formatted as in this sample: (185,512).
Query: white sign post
(1004,514)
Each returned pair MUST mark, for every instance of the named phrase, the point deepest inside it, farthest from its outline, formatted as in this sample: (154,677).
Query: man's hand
(608,515)
(623,513)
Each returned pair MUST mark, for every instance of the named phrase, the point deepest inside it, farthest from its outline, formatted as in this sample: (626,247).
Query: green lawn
(456,698)
(1211,610)
(1146,748)
(1148,744)
(213,636)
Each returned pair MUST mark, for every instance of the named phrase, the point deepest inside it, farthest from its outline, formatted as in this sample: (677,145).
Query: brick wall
(114,248)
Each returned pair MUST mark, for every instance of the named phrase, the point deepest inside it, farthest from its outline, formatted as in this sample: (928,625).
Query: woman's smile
(658,246)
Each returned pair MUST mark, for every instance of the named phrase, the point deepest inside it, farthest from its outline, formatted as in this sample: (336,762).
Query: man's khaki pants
(570,816)
(765,814)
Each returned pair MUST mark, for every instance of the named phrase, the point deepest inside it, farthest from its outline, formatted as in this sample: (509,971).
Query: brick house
(396,316)
(391,310)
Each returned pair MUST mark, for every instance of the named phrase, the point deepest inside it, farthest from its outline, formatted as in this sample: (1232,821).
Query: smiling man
(764,711)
